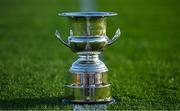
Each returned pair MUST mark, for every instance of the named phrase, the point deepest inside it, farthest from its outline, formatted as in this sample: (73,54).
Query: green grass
(144,66)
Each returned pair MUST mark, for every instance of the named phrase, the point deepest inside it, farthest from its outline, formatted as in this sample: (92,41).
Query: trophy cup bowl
(87,81)
(88,31)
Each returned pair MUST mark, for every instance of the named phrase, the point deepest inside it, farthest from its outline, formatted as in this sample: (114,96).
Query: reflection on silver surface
(98,107)
(89,79)
(88,14)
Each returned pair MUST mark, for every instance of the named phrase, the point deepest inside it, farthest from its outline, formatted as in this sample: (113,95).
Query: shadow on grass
(27,103)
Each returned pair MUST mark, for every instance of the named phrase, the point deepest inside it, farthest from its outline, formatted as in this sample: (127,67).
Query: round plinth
(88,95)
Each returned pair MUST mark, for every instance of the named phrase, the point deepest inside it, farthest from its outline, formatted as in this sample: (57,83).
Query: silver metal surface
(87,82)
(115,38)
(81,39)
(92,107)
(81,86)
(88,64)
(88,14)
(88,43)
(100,42)
(89,53)
(61,40)
(92,93)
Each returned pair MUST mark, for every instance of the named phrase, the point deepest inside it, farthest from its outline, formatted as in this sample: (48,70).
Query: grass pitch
(144,65)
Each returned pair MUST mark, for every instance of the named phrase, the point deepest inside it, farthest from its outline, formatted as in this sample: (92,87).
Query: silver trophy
(87,81)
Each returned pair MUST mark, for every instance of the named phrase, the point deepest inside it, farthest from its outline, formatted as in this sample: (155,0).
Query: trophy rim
(87,14)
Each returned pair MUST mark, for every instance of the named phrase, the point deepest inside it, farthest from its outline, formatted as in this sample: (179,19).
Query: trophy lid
(88,14)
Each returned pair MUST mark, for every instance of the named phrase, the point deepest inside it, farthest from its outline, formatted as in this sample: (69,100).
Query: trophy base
(84,102)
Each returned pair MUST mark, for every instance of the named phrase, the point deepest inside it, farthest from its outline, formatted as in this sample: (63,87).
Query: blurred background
(144,65)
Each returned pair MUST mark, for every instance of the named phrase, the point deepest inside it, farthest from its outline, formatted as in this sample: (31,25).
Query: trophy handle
(61,40)
(116,36)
